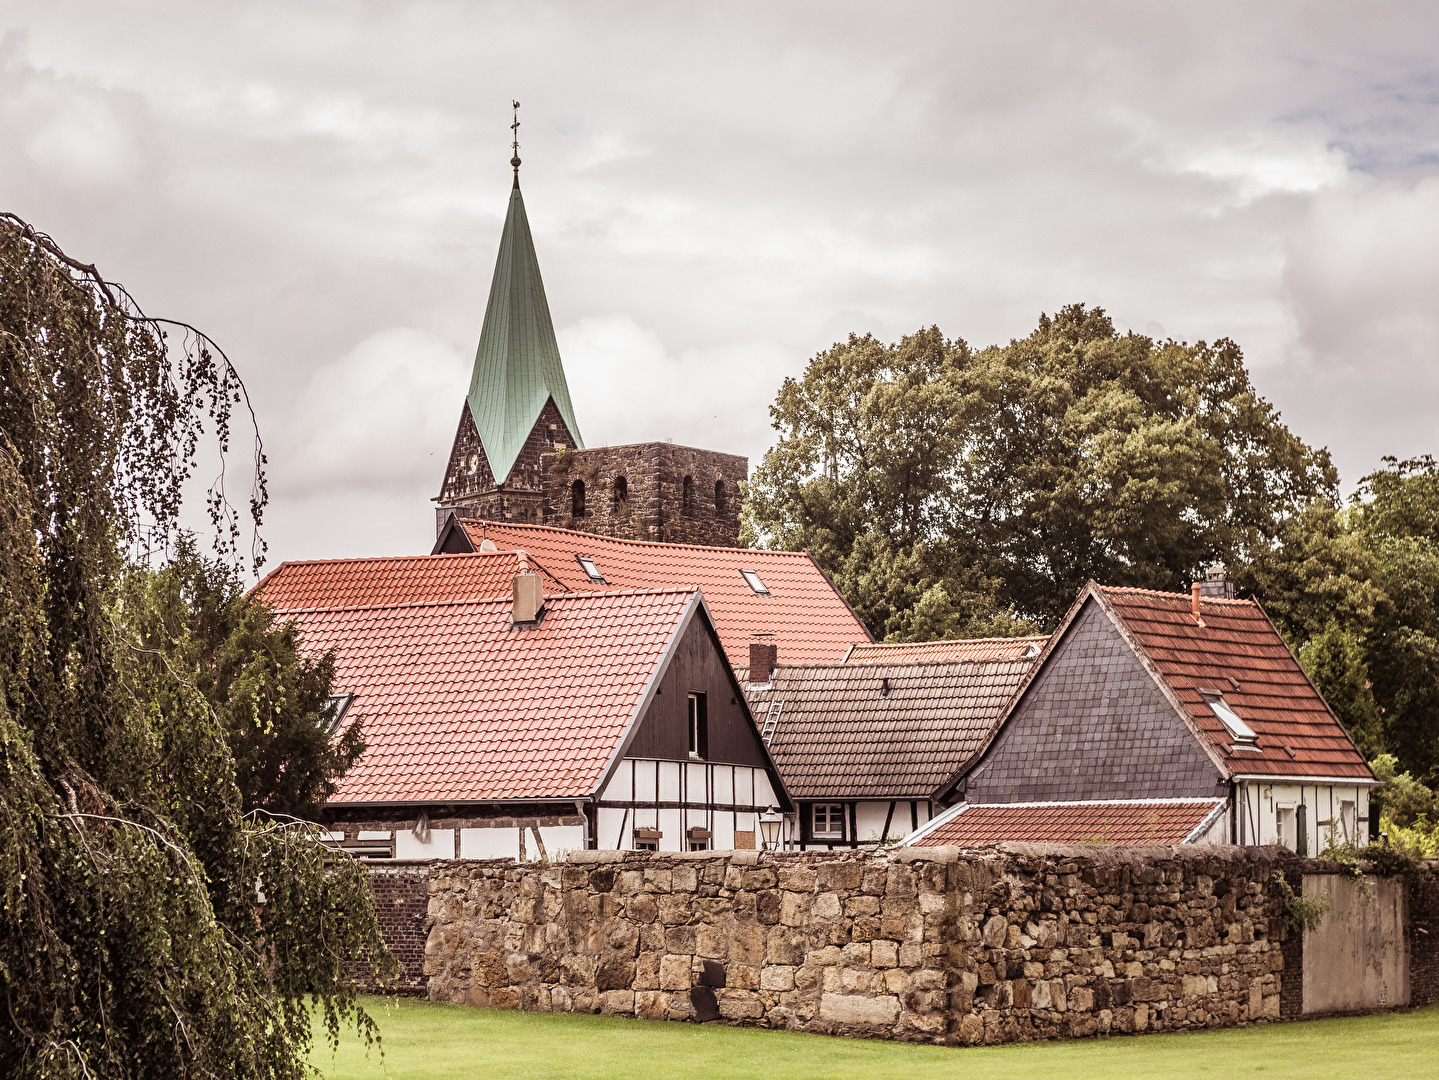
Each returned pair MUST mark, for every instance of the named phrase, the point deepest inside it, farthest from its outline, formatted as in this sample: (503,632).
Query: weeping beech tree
(150,925)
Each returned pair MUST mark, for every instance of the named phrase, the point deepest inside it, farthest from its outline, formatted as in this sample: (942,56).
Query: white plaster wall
(490,843)
(441,845)
(869,820)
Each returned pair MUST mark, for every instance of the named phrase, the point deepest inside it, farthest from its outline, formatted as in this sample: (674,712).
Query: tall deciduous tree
(951,492)
(149,926)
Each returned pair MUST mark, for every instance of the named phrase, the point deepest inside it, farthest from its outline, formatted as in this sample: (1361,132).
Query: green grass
(438,1042)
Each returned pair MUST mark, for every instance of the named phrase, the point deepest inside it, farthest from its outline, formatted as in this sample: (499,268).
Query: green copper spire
(517,366)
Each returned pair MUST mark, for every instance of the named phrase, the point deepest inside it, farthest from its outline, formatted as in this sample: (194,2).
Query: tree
(272,699)
(150,927)
(1010,476)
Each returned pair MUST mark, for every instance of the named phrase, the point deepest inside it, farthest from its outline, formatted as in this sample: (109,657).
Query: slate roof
(952,649)
(838,737)
(410,579)
(809,619)
(1238,652)
(1145,821)
(459,706)
(517,365)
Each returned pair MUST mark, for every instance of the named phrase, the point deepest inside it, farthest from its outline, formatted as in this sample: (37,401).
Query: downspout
(591,840)
(1233,813)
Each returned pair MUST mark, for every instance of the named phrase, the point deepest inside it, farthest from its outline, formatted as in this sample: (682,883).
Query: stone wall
(639,492)
(919,944)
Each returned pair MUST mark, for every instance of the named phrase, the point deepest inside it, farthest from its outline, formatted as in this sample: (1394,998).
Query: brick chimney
(763,658)
(529,598)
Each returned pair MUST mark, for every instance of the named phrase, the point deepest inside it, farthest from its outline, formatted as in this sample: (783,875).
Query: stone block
(675,972)
(746,944)
(854,1009)
(825,906)
(841,875)
(711,941)
(794,909)
(618,1002)
(739,1005)
(884,954)
(995,931)
(651,1004)
(744,976)
(614,974)
(681,939)
(796,878)
(777,978)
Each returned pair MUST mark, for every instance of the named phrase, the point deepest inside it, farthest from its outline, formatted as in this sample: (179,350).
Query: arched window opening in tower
(577,499)
(621,497)
(719,496)
(687,501)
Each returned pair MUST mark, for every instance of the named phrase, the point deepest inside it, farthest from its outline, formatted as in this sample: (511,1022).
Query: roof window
(1241,731)
(592,571)
(336,706)
(752,579)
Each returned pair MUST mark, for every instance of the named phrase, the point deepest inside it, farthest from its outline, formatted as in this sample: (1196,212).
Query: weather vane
(515,127)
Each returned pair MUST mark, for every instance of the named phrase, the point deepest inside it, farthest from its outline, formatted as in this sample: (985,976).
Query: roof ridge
(482,600)
(624,540)
(1172,801)
(943,641)
(840,665)
(1182,597)
(392,558)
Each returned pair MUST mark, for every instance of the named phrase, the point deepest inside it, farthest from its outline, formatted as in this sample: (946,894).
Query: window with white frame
(828,821)
(1284,826)
(1237,728)
(698,723)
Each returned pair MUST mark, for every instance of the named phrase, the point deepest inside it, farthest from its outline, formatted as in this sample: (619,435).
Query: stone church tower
(518,455)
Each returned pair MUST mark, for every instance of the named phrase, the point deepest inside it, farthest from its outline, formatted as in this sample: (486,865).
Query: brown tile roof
(838,737)
(410,579)
(810,621)
(1239,653)
(459,706)
(1150,821)
(953,649)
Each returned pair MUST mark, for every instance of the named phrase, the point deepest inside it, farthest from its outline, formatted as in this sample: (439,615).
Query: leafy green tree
(150,926)
(273,700)
(1010,476)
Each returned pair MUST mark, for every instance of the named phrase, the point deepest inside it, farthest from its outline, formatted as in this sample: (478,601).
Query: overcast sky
(718,191)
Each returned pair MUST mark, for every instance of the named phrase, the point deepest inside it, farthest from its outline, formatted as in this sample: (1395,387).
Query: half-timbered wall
(675,796)
(1259,805)
(866,821)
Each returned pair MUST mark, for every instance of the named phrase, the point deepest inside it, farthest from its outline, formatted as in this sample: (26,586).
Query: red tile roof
(1149,821)
(1298,735)
(411,579)
(458,706)
(810,621)
(990,648)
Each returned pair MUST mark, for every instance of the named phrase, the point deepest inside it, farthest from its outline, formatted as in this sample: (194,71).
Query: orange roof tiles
(1011,648)
(1239,653)
(459,706)
(1148,821)
(810,621)
(410,579)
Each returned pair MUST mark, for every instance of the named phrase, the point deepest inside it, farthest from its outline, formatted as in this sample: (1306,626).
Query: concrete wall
(1358,957)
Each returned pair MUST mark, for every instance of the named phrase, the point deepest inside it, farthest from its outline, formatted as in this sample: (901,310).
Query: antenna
(515,146)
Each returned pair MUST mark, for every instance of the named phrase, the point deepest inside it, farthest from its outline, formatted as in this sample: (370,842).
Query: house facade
(529,724)
(861,747)
(1184,715)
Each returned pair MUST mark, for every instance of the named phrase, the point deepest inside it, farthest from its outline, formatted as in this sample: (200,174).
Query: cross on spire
(515,127)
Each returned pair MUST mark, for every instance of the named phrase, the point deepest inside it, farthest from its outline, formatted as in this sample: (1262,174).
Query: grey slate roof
(838,738)
(517,364)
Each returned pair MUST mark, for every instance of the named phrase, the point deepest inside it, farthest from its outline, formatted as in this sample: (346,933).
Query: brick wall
(401,892)
(1424,937)
(918,944)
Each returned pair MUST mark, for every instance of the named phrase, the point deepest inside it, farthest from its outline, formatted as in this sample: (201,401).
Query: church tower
(518,456)
(518,407)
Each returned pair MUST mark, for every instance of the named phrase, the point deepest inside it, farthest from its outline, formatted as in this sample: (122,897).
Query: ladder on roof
(771,721)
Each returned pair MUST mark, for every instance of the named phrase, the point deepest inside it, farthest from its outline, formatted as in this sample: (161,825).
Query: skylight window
(592,571)
(336,705)
(1241,731)
(752,578)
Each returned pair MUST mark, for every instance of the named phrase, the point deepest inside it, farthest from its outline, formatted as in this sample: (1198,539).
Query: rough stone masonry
(932,945)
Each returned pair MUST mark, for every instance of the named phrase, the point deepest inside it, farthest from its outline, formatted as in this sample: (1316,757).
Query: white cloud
(381,418)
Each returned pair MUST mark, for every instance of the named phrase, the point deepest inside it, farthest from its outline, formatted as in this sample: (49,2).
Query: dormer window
(592,571)
(752,579)
(1241,731)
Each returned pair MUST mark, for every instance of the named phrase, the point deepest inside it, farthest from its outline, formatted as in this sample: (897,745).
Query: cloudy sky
(719,191)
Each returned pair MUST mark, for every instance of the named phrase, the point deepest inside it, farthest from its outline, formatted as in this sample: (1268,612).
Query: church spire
(517,365)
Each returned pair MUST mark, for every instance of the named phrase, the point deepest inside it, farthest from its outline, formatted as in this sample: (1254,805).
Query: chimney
(763,658)
(1193,599)
(1216,584)
(528,597)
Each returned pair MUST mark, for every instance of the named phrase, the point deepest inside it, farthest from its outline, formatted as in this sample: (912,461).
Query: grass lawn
(438,1042)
